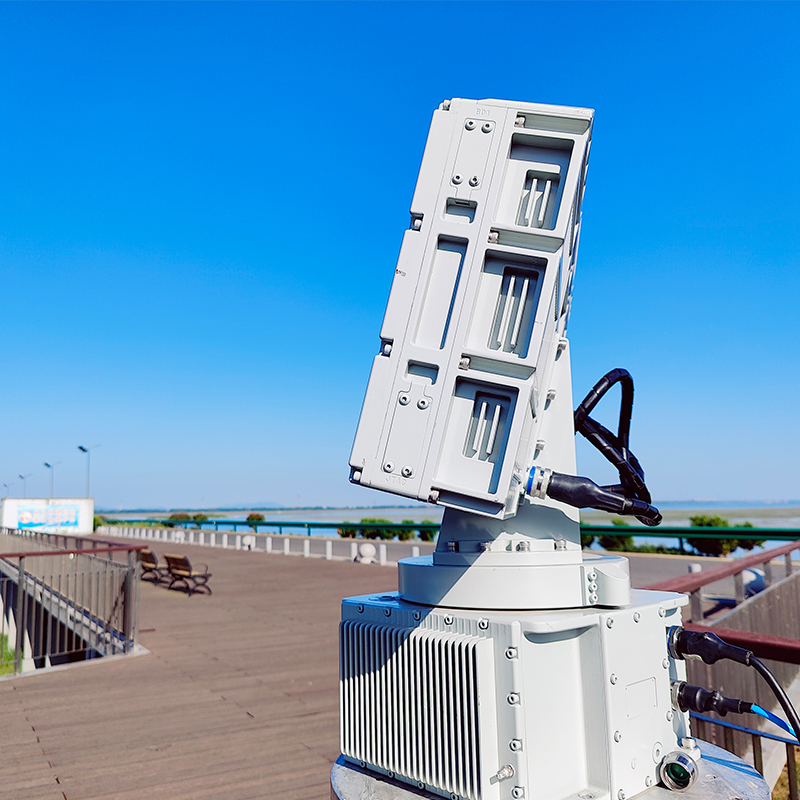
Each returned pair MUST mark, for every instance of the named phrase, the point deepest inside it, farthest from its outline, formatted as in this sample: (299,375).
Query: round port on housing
(678,771)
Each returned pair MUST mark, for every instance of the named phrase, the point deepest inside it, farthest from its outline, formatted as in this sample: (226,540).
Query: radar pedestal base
(722,776)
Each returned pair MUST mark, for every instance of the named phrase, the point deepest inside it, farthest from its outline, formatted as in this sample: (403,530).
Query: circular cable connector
(678,771)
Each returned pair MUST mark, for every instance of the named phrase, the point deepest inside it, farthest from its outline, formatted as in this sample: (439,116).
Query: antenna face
(478,307)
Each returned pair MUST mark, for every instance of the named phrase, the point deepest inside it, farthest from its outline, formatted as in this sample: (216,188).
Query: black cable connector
(585,493)
(710,648)
(694,698)
(706,646)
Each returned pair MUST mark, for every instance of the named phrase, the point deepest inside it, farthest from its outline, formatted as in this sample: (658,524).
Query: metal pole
(88,468)
(791,766)
(758,756)
(20,617)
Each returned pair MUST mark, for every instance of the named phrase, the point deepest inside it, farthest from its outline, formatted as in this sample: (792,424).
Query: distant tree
(711,547)
(427,534)
(409,533)
(198,518)
(176,519)
(98,521)
(373,529)
(616,541)
(347,532)
(587,539)
(749,544)
(255,517)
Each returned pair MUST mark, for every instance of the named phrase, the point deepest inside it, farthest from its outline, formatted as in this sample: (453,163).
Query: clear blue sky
(201,206)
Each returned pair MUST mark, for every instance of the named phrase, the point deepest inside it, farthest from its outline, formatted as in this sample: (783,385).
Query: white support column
(415,551)
(287,543)
(382,554)
(353,551)
(268,544)
(329,550)
(306,548)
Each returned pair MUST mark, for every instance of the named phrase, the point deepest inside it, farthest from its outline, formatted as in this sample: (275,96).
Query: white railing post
(224,540)
(268,544)
(415,551)
(201,538)
(238,541)
(213,540)
(306,548)
(382,554)
(353,551)
(287,543)
(329,550)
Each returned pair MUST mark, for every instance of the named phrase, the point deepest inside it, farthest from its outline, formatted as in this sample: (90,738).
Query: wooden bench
(151,569)
(181,572)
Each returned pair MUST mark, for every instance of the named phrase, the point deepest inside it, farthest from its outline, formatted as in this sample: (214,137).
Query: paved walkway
(238,697)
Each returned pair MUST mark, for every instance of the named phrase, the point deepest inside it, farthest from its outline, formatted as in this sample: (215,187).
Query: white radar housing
(474,328)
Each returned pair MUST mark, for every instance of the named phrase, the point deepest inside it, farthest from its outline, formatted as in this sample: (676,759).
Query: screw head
(362,764)
(670,715)
(361,609)
(515,744)
(636,616)
(513,698)
(387,611)
(407,472)
(463,363)
(511,652)
(665,663)
(404,399)
(458,178)
(483,624)
(617,736)
(470,124)
(610,622)
(517,792)
(621,795)
(448,619)
(390,774)
(423,402)
(648,781)
(519,122)
(417,616)
(388,467)
(487,127)
(613,679)
(662,612)
(420,784)
(474,180)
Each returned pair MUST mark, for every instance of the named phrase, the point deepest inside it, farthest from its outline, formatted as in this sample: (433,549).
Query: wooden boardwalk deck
(238,697)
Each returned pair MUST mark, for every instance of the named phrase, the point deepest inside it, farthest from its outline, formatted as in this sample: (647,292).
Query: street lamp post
(51,467)
(24,479)
(88,451)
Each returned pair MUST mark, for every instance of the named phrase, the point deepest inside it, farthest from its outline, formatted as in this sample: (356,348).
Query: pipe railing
(60,604)
(693,583)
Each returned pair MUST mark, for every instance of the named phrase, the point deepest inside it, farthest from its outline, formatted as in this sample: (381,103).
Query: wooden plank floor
(238,697)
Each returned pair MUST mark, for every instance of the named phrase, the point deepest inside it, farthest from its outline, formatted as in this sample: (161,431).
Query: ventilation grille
(409,704)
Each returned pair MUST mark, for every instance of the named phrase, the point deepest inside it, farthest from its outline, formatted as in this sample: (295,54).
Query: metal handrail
(697,580)
(758,755)
(88,551)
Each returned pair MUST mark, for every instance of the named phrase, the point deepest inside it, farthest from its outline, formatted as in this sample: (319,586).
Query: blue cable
(773,718)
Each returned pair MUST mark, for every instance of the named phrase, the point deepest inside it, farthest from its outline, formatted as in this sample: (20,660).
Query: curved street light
(24,479)
(51,467)
(87,450)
